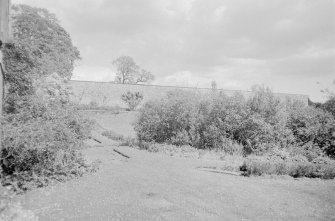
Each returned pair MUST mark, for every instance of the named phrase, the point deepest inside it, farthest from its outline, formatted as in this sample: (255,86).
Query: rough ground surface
(119,123)
(151,186)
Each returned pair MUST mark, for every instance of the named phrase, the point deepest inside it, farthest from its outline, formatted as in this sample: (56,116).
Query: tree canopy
(128,72)
(41,43)
(40,48)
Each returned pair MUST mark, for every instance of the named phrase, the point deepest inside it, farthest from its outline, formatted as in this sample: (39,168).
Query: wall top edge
(177,87)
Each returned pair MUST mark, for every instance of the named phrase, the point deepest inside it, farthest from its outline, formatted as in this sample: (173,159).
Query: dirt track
(156,187)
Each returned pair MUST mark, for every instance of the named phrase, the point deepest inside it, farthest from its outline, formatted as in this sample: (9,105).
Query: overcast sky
(288,45)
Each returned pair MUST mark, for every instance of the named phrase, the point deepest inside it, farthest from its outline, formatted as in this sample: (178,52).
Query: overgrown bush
(41,142)
(185,118)
(313,130)
(260,123)
(132,99)
(42,129)
(257,165)
(329,105)
(168,120)
(42,134)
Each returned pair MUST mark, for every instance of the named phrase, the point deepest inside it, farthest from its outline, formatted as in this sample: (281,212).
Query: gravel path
(156,187)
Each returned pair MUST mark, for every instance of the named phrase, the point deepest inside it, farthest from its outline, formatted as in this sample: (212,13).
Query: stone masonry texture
(109,94)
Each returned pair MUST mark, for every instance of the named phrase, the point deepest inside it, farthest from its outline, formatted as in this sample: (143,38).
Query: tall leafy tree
(41,47)
(41,44)
(42,129)
(128,72)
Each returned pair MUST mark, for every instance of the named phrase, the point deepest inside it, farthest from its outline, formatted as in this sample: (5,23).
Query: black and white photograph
(172,110)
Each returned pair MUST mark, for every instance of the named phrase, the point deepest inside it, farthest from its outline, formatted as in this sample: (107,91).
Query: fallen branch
(220,171)
(115,150)
(96,140)
(122,154)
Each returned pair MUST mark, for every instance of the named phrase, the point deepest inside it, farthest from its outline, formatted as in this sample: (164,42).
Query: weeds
(112,135)
(260,166)
(130,142)
(95,106)
(41,143)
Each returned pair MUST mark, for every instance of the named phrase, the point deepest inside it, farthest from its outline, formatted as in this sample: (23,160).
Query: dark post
(4,38)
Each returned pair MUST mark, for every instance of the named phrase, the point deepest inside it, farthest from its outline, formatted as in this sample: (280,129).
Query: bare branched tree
(144,76)
(128,72)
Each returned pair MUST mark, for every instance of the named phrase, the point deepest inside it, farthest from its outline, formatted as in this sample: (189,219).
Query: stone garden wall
(109,94)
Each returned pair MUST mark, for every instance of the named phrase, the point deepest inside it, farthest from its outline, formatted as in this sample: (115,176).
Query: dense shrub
(260,123)
(256,165)
(42,135)
(329,105)
(270,115)
(41,142)
(42,130)
(185,118)
(169,120)
(313,130)
(132,99)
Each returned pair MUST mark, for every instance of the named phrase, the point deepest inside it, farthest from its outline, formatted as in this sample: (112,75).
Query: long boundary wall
(109,94)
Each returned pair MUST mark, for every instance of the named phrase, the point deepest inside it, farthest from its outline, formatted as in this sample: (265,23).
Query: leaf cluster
(41,43)
(132,99)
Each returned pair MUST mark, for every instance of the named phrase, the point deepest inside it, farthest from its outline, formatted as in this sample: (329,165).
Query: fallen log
(122,154)
(115,150)
(96,140)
